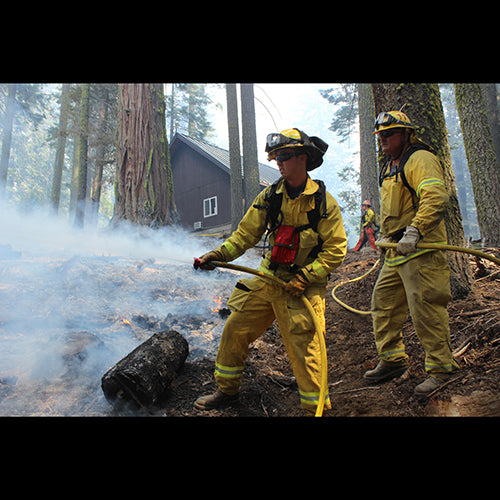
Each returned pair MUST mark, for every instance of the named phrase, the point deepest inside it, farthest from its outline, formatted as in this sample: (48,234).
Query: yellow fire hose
(433,246)
(349,308)
(449,248)
(317,326)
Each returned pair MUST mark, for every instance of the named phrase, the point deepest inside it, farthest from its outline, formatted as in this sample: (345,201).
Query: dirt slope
(269,388)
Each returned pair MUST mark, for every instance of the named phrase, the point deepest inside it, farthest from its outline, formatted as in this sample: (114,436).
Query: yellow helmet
(314,147)
(392,119)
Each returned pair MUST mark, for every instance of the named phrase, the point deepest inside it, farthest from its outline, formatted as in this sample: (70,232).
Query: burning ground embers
(64,322)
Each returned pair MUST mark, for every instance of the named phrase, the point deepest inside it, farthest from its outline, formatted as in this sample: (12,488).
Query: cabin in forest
(202,186)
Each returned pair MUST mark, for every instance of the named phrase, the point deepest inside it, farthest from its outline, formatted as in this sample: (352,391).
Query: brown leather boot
(216,400)
(384,372)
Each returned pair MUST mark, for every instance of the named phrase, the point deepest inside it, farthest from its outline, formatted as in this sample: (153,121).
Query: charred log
(143,376)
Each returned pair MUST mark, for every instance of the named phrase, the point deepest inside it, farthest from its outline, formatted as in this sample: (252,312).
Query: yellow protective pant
(254,305)
(422,285)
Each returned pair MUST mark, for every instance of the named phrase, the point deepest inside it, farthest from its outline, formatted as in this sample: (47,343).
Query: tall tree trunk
(234,156)
(55,195)
(368,152)
(99,160)
(424,108)
(251,177)
(490,95)
(8,120)
(144,187)
(81,191)
(481,158)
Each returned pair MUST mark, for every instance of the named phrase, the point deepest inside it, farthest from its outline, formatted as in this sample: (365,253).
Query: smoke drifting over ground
(73,302)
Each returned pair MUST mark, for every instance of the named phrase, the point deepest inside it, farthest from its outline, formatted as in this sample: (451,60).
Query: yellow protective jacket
(425,210)
(330,230)
(367,218)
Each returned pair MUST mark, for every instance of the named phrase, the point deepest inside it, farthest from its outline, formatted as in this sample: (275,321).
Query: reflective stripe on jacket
(425,175)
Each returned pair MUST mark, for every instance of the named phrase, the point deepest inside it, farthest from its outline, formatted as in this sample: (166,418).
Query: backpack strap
(274,216)
(400,170)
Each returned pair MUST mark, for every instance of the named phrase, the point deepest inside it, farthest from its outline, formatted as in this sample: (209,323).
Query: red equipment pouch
(285,246)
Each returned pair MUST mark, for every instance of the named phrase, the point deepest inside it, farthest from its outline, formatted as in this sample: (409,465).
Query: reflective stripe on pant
(421,285)
(254,305)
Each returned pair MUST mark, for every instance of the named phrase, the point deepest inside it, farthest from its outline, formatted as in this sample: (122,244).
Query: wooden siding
(195,179)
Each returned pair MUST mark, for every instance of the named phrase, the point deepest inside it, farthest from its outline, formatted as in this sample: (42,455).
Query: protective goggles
(284,155)
(387,119)
(276,141)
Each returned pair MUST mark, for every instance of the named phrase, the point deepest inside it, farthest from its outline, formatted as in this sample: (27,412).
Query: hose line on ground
(349,308)
(310,309)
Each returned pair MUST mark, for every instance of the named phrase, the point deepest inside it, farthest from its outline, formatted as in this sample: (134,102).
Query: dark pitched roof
(220,157)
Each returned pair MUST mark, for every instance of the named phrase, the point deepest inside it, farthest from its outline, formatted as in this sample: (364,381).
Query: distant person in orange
(368,227)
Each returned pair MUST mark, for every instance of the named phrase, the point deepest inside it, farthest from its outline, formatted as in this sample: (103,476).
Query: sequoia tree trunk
(422,104)
(144,187)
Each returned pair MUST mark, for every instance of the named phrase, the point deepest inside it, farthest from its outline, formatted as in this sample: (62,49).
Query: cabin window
(210,207)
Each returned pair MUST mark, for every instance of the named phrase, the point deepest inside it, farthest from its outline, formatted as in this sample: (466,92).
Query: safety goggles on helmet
(277,141)
(384,119)
(314,147)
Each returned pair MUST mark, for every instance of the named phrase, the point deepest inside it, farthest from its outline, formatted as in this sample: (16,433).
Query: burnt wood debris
(143,376)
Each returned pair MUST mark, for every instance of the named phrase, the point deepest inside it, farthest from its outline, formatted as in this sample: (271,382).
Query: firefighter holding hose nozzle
(305,230)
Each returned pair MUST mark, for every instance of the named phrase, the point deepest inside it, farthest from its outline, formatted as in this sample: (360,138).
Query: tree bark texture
(251,176)
(491,100)
(481,158)
(143,376)
(234,156)
(422,105)
(99,158)
(144,187)
(368,152)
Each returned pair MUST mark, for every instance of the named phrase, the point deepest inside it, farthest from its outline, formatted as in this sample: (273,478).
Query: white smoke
(73,302)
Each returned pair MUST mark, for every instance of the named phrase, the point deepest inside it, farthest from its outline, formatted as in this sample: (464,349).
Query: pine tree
(481,158)
(251,177)
(81,191)
(55,195)
(367,150)
(234,156)
(7,137)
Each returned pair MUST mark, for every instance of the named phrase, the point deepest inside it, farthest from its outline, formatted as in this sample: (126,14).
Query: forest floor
(269,388)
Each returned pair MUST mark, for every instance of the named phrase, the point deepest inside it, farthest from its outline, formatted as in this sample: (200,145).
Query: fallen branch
(444,385)
(357,390)
(479,311)
(459,352)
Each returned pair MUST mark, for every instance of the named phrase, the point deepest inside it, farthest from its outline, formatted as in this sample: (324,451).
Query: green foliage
(345,99)
(187,110)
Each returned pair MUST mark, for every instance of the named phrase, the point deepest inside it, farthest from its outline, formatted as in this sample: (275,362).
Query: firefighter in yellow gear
(413,203)
(368,227)
(307,239)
